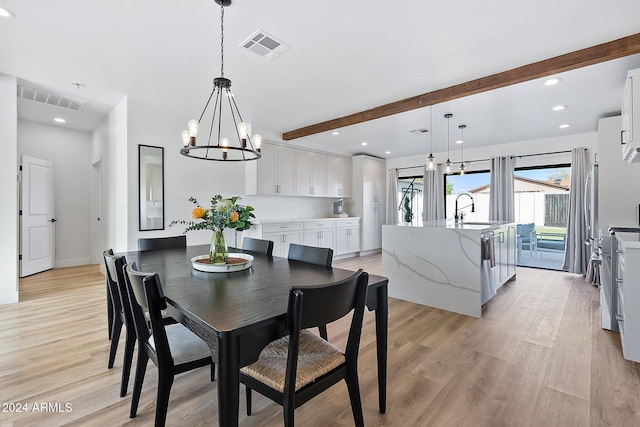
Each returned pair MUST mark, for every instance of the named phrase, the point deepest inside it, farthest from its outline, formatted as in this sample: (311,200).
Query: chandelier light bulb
(257,139)
(192,126)
(243,130)
(185,137)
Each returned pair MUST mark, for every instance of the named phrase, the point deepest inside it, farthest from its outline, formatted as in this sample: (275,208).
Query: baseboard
(72,262)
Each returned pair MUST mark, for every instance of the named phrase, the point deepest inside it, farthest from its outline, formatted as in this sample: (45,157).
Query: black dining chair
(155,243)
(257,245)
(173,348)
(299,366)
(122,316)
(312,255)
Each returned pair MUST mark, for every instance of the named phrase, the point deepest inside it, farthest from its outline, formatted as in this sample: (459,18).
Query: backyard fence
(556,210)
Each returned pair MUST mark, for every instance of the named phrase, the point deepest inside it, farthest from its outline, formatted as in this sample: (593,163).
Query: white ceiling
(346,56)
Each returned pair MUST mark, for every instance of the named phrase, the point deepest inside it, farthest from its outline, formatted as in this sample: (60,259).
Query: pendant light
(431,161)
(242,148)
(462,128)
(447,165)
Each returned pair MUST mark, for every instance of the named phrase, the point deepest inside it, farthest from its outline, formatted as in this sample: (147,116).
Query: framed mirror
(151,187)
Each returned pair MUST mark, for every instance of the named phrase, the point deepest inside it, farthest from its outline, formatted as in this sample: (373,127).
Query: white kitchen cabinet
(347,236)
(373,182)
(368,200)
(626,280)
(505,254)
(273,174)
(281,234)
(338,176)
(311,173)
(320,233)
(630,114)
(372,221)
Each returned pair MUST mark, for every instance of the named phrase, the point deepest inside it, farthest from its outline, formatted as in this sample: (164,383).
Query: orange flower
(198,212)
(234,216)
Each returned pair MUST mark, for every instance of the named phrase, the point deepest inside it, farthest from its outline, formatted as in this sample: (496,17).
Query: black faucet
(473,206)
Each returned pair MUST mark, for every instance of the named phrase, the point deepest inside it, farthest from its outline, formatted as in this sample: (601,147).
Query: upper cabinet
(274,173)
(373,182)
(311,173)
(286,171)
(630,135)
(338,176)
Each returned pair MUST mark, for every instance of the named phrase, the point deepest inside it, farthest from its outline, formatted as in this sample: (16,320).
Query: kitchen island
(453,266)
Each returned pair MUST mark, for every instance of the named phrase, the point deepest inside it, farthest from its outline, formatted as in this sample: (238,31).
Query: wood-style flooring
(537,357)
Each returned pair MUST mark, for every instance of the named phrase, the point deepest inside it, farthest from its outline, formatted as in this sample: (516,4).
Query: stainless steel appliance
(338,207)
(591,208)
(609,274)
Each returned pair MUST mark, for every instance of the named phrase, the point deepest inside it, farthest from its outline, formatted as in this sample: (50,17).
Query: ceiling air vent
(264,45)
(419,131)
(45,97)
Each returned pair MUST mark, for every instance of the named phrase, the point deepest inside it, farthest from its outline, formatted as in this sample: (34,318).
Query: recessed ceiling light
(363,143)
(6,13)
(59,120)
(559,107)
(553,81)
(387,152)
(335,132)
(459,141)
(564,125)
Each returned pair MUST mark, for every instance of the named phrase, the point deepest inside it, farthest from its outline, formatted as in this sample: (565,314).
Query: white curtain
(501,199)
(575,252)
(433,194)
(392,199)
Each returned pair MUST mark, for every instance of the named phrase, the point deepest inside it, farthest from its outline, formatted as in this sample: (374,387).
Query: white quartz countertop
(464,225)
(286,220)
(630,240)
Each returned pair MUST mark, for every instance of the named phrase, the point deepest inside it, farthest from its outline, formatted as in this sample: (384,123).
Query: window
(476,183)
(410,192)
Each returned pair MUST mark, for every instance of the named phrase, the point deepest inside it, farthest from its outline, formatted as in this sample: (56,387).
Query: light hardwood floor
(537,357)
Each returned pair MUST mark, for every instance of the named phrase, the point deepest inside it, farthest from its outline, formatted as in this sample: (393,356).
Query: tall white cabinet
(368,200)
(630,135)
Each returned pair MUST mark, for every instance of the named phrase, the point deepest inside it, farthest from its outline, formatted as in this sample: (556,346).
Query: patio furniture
(551,242)
(526,238)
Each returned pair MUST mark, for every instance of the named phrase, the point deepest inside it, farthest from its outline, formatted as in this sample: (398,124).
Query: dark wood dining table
(238,313)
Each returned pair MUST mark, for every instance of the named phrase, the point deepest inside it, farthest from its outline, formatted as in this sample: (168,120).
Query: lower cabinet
(341,235)
(505,251)
(372,221)
(347,237)
(320,233)
(281,234)
(626,281)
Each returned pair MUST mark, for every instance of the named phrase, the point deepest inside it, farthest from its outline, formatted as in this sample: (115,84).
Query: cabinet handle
(619,280)
(622,138)
(618,251)
(619,317)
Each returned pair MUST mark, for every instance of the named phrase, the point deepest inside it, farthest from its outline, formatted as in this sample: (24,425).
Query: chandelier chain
(222,39)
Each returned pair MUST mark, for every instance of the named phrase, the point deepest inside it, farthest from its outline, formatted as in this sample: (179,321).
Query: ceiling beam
(619,48)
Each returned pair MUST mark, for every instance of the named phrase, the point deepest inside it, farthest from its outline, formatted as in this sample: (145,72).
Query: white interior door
(37,238)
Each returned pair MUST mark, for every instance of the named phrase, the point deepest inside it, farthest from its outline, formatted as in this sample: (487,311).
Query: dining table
(238,313)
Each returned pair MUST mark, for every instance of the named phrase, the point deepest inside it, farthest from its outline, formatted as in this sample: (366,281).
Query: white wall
(109,146)
(70,152)
(9,180)
(618,182)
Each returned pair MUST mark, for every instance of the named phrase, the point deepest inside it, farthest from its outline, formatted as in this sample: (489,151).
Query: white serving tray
(222,268)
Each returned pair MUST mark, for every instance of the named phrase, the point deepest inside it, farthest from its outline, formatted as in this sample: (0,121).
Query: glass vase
(218,252)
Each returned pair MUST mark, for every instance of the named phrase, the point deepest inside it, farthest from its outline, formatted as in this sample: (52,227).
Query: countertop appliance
(338,207)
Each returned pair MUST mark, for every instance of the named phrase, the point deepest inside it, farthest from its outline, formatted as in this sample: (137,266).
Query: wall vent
(50,98)
(419,131)
(264,45)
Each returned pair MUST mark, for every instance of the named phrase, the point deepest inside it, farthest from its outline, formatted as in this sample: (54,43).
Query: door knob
(53,220)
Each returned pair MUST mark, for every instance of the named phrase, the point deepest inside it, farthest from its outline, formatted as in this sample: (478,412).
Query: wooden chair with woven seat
(155,243)
(299,366)
(257,245)
(173,348)
(312,255)
(122,316)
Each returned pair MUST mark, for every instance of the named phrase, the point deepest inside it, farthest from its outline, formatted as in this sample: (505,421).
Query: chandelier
(221,148)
